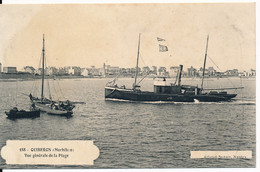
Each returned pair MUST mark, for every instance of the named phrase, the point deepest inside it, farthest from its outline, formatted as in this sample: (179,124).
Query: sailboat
(62,108)
(164,91)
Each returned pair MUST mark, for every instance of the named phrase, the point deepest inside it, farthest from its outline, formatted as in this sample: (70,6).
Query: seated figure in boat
(14,110)
(54,106)
(68,105)
(61,104)
(32,107)
(33,98)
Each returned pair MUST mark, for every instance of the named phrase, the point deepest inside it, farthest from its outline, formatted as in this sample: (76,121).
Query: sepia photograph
(128,85)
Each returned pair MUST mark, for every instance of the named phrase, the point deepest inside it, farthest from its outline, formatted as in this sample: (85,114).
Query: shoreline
(28,77)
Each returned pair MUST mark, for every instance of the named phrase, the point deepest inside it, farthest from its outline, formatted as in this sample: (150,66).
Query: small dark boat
(15,113)
(165,91)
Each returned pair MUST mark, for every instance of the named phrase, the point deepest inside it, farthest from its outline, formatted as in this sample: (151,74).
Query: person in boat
(30,95)
(68,102)
(15,109)
(32,107)
(68,105)
(61,105)
(52,105)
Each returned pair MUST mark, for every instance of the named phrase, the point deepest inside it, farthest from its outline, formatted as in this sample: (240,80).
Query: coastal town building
(252,72)
(154,70)
(145,70)
(162,72)
(29,69)
(84,72)
(114,71)
(200,72)
(71,71)
(211,71)
(174,71)
(233,72)
(62,71)
(93,71)
(9,70)
(192,72)
(51,71)
(77,70)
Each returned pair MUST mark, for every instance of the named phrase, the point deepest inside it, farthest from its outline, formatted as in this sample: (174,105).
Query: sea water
(138,134)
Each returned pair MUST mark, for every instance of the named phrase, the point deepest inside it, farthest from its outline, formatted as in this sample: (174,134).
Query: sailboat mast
(205,59)
(43,54)
(136,70)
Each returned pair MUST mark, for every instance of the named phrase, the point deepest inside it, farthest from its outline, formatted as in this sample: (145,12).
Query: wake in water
(196,102)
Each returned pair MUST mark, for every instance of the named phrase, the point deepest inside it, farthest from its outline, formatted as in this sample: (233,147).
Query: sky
(93,34)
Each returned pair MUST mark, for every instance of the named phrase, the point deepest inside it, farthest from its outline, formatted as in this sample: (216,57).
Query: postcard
(127,86)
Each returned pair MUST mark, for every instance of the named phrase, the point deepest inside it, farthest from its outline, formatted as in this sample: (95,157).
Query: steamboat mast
(205,59)
(136,70)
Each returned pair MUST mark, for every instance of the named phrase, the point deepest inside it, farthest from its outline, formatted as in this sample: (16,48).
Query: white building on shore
(9,70)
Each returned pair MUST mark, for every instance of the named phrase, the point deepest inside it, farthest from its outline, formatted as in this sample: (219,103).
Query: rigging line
(16,90)
(45,59)
(32,89)
(144,77)
(221,71)
(142,59)
(34,86)
(59,95)
(146,73)
(117,76)
(214,63)
(49,90)
(34,83)
(60,90)
(241,55)
(144,65)
(55,89)
(35,89)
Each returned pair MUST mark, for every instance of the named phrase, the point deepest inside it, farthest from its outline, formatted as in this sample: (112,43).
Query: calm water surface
(138,134)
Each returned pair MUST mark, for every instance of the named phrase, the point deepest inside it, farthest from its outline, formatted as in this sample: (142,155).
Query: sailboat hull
(129,94)
(47,108)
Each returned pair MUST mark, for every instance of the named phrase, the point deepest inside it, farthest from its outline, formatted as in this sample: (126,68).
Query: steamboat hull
(46,108)
(129,94)
(23,114)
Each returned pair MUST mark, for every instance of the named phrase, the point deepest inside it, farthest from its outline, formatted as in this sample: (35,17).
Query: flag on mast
(160,39)
(163,48)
